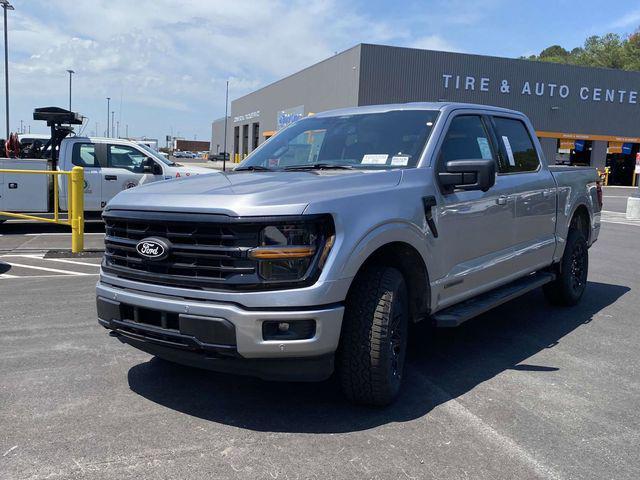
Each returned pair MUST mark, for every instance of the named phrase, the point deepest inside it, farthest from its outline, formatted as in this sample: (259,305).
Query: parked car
(219,156)
(328,241)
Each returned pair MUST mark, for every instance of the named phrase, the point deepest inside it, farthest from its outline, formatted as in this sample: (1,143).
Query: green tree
(631,51)
(554,53)
(607,51)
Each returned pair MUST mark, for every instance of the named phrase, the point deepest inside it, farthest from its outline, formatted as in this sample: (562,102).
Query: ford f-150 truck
(331,238)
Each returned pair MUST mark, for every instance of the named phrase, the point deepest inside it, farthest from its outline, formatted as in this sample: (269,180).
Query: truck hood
(252,193)
(177,171)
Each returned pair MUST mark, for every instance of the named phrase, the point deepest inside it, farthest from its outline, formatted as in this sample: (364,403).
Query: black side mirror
(474,174)
(150,166)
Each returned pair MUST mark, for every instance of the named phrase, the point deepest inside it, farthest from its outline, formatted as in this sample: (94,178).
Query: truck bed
(24,192)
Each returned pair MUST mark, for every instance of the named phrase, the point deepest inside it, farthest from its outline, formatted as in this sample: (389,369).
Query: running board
(461,312)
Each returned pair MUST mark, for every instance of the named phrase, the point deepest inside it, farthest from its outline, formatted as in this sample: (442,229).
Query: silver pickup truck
(330,239)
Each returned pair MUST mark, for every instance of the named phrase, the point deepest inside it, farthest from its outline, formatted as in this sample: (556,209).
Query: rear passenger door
(533,189)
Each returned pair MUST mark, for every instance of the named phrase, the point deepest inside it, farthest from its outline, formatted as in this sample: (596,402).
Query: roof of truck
(441,106)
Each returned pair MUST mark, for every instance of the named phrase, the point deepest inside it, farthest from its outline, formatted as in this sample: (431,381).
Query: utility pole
(127,129)
(108,100)
(6,6)
(226,112)
(113,130)
(118,129)
(21,127)
(71,72)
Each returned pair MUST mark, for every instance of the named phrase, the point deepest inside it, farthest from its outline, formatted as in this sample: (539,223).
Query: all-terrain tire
(571,272)
(373,344)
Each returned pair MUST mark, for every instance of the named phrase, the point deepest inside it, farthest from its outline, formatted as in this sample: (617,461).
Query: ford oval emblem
(153,248)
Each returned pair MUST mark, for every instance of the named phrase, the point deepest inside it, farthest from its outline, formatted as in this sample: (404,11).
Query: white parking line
(73,262)
(618,217)
(59,234)
(46,269)
(24,277)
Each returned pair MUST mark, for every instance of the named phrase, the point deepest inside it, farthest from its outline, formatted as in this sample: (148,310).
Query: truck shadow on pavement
(441,366)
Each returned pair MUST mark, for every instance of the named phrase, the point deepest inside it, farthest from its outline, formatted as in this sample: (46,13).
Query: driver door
(477,229)
(126,169)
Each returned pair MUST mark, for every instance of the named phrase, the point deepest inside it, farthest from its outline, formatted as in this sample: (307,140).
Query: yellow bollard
(76,212)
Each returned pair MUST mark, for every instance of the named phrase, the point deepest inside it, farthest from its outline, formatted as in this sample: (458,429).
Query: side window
(84,155)
(122,156)
(466,139)
(519,152)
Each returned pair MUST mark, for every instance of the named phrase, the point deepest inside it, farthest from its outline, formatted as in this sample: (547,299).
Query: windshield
(364,141)
(155,154)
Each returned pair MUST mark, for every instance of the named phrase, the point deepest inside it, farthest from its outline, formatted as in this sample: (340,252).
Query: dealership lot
(526,391)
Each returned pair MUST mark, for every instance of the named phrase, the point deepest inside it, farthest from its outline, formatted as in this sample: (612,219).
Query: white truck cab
(112,165)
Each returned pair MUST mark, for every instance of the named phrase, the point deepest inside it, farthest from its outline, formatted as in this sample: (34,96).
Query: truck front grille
(207,251)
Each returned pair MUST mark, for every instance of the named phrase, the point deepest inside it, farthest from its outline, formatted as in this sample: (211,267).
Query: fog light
(293,330)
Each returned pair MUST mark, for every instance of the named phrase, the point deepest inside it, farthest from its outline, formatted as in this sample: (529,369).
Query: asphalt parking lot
(525,391)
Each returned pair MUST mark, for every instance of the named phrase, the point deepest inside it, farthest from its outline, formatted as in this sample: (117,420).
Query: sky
(165,63)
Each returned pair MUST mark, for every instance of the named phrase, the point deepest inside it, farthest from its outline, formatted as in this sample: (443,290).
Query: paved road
(526,391)
(615,198)
(17,236)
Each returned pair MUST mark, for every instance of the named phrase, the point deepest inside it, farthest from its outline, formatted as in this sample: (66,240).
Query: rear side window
(84,155)
(519,153)
(466,139)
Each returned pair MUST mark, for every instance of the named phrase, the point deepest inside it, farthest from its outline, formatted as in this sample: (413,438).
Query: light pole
(108,100)
(226,112)
(6,6)
(113,130)
(71,72)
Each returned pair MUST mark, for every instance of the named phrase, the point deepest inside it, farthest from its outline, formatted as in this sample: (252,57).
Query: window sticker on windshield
(507,146)
(485,150)
(400,160)
(374,159)
(273,162)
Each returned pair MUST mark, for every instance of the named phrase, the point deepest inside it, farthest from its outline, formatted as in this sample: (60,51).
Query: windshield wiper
(253,168)
(319,166)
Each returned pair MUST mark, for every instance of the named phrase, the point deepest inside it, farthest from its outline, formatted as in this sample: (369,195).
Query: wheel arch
(406,258)
(581,219)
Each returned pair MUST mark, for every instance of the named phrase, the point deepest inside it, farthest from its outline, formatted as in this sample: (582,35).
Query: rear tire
(373,344)
(572,271)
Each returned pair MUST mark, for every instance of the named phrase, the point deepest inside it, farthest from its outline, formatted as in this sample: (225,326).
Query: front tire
(568,287)
(373,344)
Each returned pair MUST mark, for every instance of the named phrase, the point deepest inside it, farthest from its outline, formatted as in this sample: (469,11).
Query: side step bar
(461,312)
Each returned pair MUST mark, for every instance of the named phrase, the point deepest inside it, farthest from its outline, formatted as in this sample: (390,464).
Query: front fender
(381,235)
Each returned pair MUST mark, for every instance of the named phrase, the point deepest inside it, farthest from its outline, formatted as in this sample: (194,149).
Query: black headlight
(288,252)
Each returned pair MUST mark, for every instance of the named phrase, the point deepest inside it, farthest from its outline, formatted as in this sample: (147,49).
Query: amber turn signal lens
(281,253)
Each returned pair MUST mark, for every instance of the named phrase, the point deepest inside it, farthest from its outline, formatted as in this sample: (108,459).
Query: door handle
(502,200)
(110,177)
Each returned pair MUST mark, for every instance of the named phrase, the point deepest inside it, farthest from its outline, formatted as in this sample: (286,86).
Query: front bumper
(223,336)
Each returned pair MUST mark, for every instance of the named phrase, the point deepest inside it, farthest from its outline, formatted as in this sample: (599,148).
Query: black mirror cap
(474,174)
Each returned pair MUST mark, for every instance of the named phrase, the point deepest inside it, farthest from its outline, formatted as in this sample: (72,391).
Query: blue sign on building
(290,115)
(626,148)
